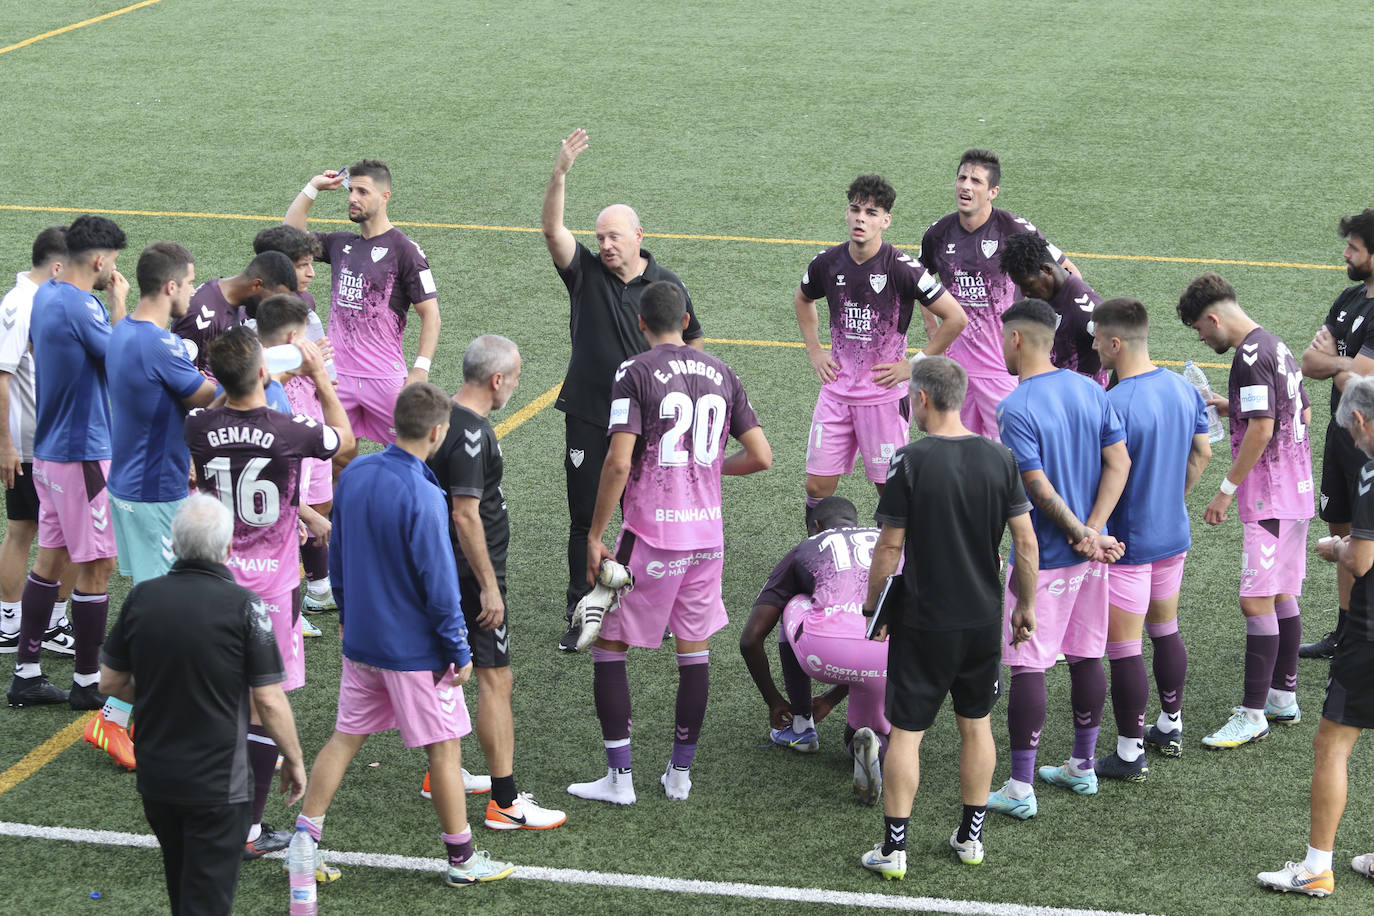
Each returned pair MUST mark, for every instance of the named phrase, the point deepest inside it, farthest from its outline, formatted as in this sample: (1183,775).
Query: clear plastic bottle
(1215,431)
(300,862)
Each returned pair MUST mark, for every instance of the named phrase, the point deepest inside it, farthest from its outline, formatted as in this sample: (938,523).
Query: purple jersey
(968,265)
(376,281)
(683,405)
(1266,382)
(831,567)
(870,310)
(251,460)
(1073,337)
(209,316)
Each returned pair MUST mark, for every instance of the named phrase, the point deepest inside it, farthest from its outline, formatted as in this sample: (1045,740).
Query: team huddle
(1043,417)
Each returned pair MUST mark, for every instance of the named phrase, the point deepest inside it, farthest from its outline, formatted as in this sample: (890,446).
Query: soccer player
(250,457)
(149,463)
(302,248)
(950,497)
(468,467)
(378,277)
(70,331)
(1349,705)
(220,304)
(817,591)
(1332,354)
(1166,438)
(405,647)
(603,291)
(871,288)
(1070,448)
(1033,267)
(1271,479)
(961,249)
(672,410)
(18,417)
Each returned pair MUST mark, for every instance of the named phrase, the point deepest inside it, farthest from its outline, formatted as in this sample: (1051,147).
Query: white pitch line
(606,879)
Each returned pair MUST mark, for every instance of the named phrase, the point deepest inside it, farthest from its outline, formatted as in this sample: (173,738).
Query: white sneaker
(1364,864)
(970,852)
(676,782)
(891,866)
(523,814)
(1294,877)
(615,576)
(308,629)
(472,785)
(868,774)
(590,610)
(615,787)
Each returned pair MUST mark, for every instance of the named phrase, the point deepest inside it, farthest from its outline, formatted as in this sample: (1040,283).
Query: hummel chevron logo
(167,553)
(977,820)
(449,706)
(99,518)
(1269,550)
(347,249)
(1085,302)
(680,734)
(1249,353)
(202,323)
(1363,488)
(1082,719)
(1035,738)
(11,316)
(502,638)
(472,435)
(898,834)
(472,450)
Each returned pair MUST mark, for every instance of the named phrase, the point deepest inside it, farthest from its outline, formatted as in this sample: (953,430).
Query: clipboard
(889,607)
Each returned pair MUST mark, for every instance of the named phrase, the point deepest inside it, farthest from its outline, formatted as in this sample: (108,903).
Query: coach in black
(604,290)
(188,649)
(948,498)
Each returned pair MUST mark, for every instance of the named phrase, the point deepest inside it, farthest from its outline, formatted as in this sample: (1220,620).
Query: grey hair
(202,529)
(488,355)
(942,379)
(1358,395)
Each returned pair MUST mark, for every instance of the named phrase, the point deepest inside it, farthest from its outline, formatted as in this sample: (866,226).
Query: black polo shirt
(194,641)
(605,330)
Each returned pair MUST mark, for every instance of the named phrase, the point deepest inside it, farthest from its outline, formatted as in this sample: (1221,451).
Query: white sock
(9,617)
(1282,698)
(1170,722)
(318,587)
(116,712)
(27,669)
(86,680)
(801,724)
(59,613)
(1256,716)
(254,832)
(1018,789)
(1317,860)
(1129,749)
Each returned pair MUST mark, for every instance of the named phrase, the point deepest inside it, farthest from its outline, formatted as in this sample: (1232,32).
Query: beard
(1357,273)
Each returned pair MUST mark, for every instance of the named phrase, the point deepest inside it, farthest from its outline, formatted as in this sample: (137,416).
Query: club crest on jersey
(378,252)
(878,282)
(989,247)
(575,455)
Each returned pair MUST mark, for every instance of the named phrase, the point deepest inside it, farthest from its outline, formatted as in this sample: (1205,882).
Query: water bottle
(300,862)
(1193,374)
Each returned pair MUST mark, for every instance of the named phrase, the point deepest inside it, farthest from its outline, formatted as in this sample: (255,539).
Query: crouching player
(818,591)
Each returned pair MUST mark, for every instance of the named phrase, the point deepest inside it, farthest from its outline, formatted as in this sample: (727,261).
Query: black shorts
(1350,691)
(1341,464)
(925,665)
(490,648)
(21,500)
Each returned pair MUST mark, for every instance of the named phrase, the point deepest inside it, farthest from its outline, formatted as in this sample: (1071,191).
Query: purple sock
(795,679)
(1261,651)
(1130,689)
(262,757)
(315,559)
(1170,664)
(1088,694)
(1025,719)
(315,830)
(1290,637)
(38,597)
(611,691)
(459,846)
(811,503)
(89,613)
(692,688)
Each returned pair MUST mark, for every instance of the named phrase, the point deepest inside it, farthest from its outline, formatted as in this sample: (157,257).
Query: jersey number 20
(705,420)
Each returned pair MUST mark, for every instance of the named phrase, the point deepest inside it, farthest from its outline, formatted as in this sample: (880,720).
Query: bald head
(622,214)
(618,235)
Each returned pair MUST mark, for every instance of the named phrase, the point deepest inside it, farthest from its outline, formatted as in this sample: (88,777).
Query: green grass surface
(1226,130)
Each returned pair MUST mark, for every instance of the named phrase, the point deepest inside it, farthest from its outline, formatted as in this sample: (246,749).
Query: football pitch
(1150,141)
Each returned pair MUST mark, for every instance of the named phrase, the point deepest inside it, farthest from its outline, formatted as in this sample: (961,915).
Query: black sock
(971,826)
(894,837)
(503,790)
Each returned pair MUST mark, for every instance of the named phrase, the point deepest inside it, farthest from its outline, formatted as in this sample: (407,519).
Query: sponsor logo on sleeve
(620,411)
(427,281)
(1254,397)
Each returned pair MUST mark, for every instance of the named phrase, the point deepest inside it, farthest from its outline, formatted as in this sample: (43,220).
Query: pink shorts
(371,406)
(840,432)
(320,485)
(286,628)
(1273,559)
(1070,617)
(674,589)
(74,508)
(860,663)
(979,412)
(375,700)
(1132,588)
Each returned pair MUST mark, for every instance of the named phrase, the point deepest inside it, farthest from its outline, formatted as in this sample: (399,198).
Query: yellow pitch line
(478,227)
(44,754)
(77,25)
(529,410)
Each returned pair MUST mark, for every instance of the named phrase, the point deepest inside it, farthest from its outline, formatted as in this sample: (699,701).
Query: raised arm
(562,245)
(328,180)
